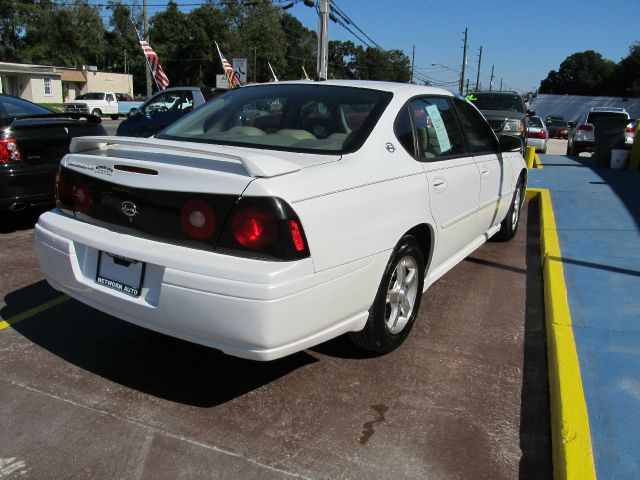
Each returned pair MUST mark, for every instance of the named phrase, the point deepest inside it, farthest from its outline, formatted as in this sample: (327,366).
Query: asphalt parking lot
(85,395)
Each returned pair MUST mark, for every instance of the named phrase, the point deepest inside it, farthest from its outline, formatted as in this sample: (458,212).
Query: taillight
(585,128)
(540,134)
(9,151)
(264,227)
(630,128)
(254,228)
(64,189)
(198,219)
(81,197)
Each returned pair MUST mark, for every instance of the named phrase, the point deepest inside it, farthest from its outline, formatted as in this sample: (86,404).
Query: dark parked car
(163,109)
(33,140)
(505,112)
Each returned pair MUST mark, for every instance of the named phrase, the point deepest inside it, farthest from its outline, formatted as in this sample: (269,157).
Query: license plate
(120,273)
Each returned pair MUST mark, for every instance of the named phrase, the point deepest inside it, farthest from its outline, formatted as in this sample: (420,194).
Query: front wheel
(509,226)
(97,112)
(396,305)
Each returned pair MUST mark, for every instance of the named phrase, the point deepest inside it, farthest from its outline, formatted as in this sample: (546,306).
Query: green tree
(626,78)
(583,73)
(301,47)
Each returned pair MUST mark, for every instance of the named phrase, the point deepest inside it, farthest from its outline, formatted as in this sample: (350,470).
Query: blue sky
(523,40)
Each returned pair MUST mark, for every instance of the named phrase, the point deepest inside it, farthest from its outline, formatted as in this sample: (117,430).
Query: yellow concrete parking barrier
(570,433)
(529,156)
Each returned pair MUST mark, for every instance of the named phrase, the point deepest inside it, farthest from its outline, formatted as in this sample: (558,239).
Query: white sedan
(331,212)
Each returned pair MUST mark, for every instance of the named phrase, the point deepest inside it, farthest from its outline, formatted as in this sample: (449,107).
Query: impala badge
(129,209)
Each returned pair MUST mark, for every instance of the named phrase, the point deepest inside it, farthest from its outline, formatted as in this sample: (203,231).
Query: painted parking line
(570,432)
(32,311)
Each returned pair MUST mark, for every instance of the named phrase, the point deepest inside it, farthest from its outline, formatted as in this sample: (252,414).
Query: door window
(110,98)
(480,137)
(404,131)
(437,131)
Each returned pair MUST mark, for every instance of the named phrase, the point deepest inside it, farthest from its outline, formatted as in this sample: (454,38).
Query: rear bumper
(538,143)
(31,187)
(247,308)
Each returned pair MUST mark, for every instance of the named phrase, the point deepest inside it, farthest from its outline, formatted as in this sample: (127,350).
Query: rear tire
(397,302)
(97,112)
(115,117)
(509,226)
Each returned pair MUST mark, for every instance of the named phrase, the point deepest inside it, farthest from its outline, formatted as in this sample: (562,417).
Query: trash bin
(608,134)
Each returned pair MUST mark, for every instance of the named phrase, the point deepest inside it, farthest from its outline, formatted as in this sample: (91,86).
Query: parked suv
(505,112)
(581,136)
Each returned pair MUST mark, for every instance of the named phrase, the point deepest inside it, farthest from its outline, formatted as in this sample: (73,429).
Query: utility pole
(491,81)
(413,57)
(323,39)
(125,61)
(464,60)
(479,63)
(255,63)
(467,90)
(145,28)
(500,84)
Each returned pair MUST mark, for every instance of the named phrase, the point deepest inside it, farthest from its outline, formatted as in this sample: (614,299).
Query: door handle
(439,184)
(484,170)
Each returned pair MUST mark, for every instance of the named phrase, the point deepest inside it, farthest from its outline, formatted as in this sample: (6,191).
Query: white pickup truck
(99,104)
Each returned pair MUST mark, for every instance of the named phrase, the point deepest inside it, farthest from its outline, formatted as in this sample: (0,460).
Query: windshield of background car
(14,107)
(598,115)
(495,101)
(292,117)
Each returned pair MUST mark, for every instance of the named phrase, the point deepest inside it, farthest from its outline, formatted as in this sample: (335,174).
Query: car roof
(395,87)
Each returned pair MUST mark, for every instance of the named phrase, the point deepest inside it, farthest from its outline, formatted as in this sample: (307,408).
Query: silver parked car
(537,134)
(581,136)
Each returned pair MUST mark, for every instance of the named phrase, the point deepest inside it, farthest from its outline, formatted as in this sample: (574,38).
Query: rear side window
(404,131)
(437,131)
(480,137)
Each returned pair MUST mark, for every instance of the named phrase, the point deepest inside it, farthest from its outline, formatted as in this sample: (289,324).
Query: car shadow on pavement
(535,419)
(137,358)
(25,220)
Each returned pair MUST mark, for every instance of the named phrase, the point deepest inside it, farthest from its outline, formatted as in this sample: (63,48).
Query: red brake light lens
(9,151)
(585,128)
(254,227)
(540,134)
(296,235)
(630,128)
(198,219)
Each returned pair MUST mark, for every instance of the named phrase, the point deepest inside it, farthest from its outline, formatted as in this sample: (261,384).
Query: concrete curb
(570,433)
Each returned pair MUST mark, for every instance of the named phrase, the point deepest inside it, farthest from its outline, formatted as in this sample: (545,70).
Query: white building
(48,84)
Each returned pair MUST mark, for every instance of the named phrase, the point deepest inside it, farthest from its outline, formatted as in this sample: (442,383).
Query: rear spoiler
(256,164)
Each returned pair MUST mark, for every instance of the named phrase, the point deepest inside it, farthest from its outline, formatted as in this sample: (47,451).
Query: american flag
(232,76)
(154,63)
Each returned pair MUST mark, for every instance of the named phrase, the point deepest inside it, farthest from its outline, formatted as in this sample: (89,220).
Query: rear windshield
(497,101)
(597,115)
(300,117)
(535,122)
(15,107)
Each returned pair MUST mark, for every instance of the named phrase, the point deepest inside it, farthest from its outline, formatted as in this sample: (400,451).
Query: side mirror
(509,143)
(133,112)
(571,124)
(531,113)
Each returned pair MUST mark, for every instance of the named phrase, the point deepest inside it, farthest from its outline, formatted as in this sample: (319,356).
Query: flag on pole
(154,63)
(273,75)
(233,77)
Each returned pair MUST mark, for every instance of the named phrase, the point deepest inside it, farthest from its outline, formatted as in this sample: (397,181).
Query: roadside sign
(240,65)
(221,81)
